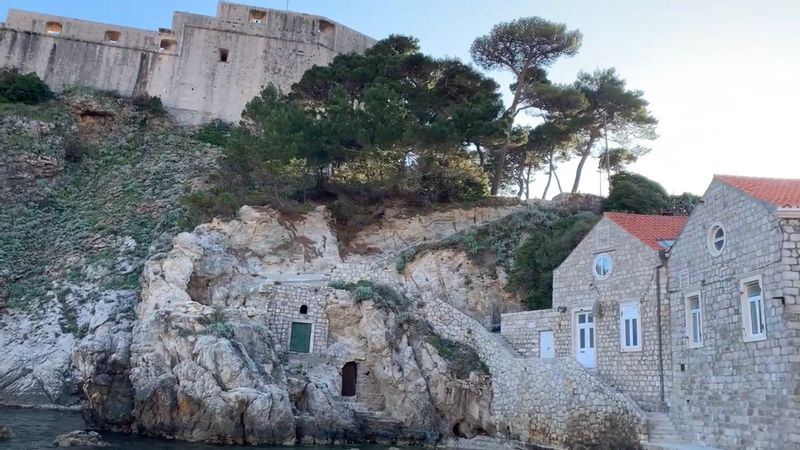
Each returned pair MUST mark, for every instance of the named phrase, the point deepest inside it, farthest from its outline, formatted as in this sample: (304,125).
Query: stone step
(673,445)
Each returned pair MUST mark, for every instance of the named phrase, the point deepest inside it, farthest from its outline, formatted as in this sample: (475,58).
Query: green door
(300,340)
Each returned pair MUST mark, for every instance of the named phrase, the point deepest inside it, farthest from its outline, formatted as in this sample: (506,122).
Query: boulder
(80,439)
(5,433)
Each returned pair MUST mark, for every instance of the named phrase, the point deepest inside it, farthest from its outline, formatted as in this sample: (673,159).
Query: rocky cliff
(107,306)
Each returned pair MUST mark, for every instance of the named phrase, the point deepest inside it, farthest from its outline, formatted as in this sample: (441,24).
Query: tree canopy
(637,194)
(524,47)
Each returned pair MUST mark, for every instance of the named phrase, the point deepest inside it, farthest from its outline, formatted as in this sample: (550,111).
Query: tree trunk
(528,183)
(549,174)
(558,182)
(586,152)
(502,152)
(481,156)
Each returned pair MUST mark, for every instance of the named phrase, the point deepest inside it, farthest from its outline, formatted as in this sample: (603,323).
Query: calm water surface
(36,429)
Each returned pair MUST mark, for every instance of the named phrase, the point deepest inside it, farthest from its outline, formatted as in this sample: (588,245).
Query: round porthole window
(603,266)
(716,240)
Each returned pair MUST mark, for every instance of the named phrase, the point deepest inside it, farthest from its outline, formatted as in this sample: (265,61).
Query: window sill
(761,337)
(690,347)
(631,350)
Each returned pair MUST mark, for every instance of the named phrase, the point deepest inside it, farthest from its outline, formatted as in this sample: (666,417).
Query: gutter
(662,257)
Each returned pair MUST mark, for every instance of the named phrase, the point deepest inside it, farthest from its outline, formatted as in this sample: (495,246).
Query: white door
(585,339)
(547,344)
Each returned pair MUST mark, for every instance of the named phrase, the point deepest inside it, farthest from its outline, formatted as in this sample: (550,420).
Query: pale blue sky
(720,74)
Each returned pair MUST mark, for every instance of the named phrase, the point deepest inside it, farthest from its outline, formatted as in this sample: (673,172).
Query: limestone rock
(80,439)
(5,433)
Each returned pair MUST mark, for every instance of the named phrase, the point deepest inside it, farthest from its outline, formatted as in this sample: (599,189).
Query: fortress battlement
(203,67)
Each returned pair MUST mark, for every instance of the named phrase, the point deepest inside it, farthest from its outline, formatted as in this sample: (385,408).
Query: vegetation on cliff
(528,245)
(89,188)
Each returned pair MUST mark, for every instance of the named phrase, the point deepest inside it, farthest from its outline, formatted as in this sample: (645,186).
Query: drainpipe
(662,257)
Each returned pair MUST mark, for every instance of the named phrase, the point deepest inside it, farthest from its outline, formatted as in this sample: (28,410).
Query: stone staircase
(662,435)
(379,426)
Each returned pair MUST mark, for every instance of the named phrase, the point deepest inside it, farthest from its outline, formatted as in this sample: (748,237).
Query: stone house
(610,310)
(734,297)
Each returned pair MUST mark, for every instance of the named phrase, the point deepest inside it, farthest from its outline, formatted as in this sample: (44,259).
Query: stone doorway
(349,378)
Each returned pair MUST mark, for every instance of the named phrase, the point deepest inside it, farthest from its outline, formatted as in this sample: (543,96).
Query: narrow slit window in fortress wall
(258,16)
(326,27)
(54,28)
(223,54)
(168,45)
(112,36)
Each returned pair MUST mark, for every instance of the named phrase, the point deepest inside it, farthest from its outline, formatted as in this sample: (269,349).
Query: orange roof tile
(650,229)
(780,192)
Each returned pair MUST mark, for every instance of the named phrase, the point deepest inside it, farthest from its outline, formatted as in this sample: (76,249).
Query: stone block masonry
(536,400)
(731,392)
(202,68)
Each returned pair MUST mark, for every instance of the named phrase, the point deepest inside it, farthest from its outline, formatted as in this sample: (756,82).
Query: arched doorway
(349,377)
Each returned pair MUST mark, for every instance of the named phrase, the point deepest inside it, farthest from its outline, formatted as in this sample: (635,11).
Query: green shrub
(497,240)
(534,261)
(221,329)
(28,88)
(215,133)
(203,206)
(150,103)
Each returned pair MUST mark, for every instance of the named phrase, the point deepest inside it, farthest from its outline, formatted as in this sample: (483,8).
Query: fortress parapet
(203,67)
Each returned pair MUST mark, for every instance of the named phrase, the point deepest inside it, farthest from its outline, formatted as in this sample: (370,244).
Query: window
(167,45)
(716,240)
(258,16)
(223,55)
(603,266)
(303,309)
(326,27)
(753,309)
(53,28)
(630,326)
(694,320)
(112,36)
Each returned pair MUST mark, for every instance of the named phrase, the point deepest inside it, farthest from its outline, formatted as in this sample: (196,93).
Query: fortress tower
(203,68)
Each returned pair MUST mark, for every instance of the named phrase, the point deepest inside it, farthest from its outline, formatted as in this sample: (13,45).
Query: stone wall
(183,65)
(632,279)
(522,331)
(728,392)
(537,400)
(283,308)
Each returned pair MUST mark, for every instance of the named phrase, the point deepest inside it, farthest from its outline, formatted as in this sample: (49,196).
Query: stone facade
(729,392)
(634,280)
(202,68)
(285,306)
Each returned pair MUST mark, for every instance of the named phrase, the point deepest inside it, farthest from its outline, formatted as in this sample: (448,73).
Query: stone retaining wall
(553,401)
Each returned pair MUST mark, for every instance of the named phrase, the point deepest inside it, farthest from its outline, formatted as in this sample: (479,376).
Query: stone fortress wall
(202,68)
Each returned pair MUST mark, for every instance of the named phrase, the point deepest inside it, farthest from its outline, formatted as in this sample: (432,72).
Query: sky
(720,75)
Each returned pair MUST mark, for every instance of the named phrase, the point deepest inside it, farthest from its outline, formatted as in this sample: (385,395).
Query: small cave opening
(198,289)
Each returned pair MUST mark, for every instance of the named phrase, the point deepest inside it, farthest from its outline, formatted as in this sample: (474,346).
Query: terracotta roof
(780,192)
(650,229)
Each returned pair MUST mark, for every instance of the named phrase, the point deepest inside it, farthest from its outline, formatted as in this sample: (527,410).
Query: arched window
(304,309)
(54,28)
(167,45)
(112,36)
